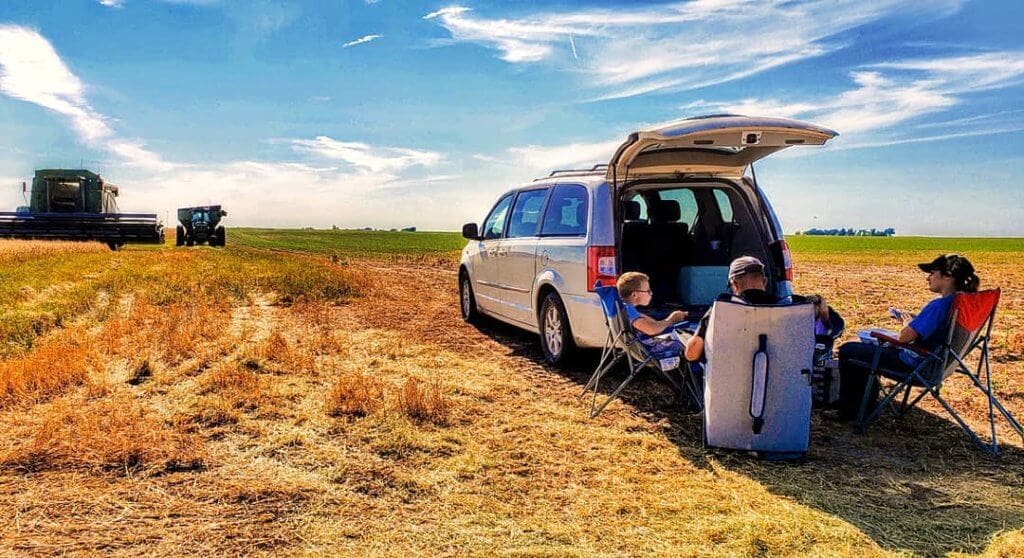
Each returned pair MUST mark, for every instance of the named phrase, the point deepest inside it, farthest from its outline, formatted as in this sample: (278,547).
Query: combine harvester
(76,204)
(200,225)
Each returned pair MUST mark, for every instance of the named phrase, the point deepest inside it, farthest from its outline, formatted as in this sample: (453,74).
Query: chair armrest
(897,343)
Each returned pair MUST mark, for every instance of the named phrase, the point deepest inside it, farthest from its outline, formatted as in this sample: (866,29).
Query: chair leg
(608,359)
(988,393)
(886,401)
(693,385)
(903,405)
(861,422)
(996,403)
(632,374)
(960,421)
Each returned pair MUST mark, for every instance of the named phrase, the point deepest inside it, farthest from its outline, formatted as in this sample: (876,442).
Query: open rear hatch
(718,145)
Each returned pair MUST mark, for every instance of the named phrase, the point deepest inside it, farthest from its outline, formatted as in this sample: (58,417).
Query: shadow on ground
(915,485)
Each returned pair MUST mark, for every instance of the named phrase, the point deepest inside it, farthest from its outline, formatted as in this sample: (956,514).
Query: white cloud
(548,158)
(112,3)
(361,40)
(285,194)
(32,71)
(684,45)
(367,158)
(893,93)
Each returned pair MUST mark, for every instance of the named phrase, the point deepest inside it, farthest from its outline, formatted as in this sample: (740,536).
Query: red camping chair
(970,328)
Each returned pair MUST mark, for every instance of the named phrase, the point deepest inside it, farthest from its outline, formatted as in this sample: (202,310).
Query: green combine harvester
(200,225)
(76,204)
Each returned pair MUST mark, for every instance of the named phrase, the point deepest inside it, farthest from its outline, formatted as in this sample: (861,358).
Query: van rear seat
(634,236)
(665,249)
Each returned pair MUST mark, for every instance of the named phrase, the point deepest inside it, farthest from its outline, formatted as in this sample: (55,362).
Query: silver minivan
(678,203)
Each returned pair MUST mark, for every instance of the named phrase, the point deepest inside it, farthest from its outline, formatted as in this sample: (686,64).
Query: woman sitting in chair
(947,275)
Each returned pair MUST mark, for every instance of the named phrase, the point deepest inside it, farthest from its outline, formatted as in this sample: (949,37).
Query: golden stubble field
(247,402)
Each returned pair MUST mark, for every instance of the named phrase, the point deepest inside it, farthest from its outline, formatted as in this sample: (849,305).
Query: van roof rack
(596,168)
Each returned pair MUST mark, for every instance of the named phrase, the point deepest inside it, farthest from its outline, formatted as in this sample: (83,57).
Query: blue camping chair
(663,355)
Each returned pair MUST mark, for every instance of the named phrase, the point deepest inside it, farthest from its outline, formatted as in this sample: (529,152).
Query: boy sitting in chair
(635,290)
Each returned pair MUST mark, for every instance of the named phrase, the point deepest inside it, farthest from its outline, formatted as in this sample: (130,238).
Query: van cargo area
(684,235)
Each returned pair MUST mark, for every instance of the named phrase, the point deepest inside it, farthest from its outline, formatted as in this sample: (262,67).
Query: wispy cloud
(548,157)
(32,71)
(684,45)
(361,40)
(889,94)
(365,157)
(112,3)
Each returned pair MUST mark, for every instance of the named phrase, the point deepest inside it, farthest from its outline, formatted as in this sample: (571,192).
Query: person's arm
(694,348)
(907,334)
(923,325)
(695,345)
(649,326)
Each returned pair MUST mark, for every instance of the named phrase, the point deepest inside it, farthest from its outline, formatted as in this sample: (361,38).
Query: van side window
(687,204)
(724,205)
(526,213)
(566,214)
(494,225)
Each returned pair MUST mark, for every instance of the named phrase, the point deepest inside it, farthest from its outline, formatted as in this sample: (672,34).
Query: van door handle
(502,252)
(492,251)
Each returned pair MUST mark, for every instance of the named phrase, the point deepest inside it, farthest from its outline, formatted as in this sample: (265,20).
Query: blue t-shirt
(930,326)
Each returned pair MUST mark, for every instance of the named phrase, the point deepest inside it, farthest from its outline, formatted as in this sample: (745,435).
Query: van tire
(467,301)
(555,332)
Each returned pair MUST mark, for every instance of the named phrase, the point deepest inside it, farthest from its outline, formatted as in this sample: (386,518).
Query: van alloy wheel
(555,335)
(467,303)
(553,331)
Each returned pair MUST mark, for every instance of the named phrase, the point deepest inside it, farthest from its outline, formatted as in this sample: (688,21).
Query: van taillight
(600,266)
(786,259)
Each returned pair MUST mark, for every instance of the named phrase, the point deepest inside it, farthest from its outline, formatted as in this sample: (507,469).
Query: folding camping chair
(970,329)
(664,356)
(757,384)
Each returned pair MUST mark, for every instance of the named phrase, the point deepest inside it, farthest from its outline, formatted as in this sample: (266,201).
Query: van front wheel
(555,333)
(467,302)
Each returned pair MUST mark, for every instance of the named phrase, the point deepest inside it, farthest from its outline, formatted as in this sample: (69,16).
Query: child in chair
(822,323)
(635,290)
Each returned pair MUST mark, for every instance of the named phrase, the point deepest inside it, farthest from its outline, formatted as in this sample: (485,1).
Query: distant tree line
(406,229)
(849,232)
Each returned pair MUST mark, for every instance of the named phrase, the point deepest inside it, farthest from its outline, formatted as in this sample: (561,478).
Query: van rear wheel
(555,334)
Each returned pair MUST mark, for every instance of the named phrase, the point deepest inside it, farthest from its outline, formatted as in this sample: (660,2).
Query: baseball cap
(948,264)
(743,265)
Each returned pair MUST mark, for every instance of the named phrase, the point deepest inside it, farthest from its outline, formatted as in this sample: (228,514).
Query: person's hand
(676,316)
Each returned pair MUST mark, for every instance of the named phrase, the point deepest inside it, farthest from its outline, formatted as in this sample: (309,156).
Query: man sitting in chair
(747,282)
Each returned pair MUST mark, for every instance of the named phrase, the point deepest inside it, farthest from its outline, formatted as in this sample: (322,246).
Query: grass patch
(352,242)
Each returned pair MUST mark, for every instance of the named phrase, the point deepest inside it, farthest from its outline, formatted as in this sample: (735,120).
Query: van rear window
(566,214)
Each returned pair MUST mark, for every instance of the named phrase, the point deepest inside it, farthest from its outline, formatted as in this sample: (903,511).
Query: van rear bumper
(586,318)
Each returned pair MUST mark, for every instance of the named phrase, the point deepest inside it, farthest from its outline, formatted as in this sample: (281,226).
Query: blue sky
(387,113)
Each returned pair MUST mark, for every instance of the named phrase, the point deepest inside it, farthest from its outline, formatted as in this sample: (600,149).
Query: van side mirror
(470,231)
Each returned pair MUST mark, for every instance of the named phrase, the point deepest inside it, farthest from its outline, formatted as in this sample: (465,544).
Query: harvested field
(256,400)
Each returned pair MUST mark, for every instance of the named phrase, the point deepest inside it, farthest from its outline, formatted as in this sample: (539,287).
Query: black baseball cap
(949,264)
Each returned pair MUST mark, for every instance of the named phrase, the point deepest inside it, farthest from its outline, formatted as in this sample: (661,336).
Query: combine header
(78,205)
(200,225)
